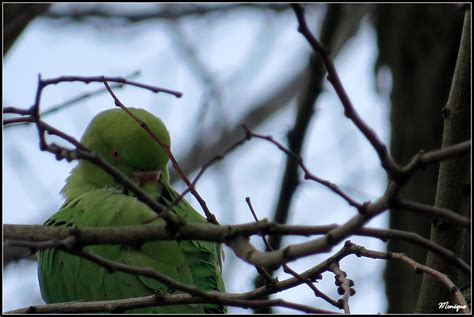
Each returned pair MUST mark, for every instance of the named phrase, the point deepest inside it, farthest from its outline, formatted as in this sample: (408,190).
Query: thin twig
(443,278)
(386,159)
(103,79)
(307,173)
(344,285)
(433,211)
(289,270)
(84,96)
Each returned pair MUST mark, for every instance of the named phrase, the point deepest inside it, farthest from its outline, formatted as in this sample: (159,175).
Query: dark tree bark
(453,182)
(419,43)
(16,16)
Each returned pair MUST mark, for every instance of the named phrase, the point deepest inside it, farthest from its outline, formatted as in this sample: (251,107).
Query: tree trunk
(419,44)
(453,182)
(16,18)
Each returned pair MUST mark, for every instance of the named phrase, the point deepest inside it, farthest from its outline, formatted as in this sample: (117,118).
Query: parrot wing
(203,257)
(64,277)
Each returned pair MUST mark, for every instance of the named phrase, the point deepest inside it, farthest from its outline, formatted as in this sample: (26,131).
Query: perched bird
(95,199)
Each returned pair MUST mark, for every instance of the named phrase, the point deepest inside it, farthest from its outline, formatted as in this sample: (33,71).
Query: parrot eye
(115,154)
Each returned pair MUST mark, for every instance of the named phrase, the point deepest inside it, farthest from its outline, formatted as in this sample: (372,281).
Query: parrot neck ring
(145,177)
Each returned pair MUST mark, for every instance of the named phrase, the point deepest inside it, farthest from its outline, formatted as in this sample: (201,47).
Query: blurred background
(240,64)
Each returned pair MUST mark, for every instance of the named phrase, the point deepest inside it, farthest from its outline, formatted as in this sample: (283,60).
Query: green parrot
(94,199)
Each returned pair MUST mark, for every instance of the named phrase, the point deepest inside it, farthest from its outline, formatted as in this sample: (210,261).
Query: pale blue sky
(334,148)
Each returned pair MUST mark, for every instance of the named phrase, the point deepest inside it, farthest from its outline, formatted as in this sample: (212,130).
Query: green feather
(94,199)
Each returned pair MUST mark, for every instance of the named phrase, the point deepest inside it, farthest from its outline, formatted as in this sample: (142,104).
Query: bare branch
(259,113)
(73,101)
(385,158)
(288,270)
(103,79)
(67,245)
(443,278)
(307,173)
(422,159)
(433,211)
(120,305)
(161,12)
(138,234)
(344,285)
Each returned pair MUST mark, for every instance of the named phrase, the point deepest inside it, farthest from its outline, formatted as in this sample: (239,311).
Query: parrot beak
(149,176)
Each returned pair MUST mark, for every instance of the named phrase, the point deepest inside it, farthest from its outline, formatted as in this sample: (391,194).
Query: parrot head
(122,142)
